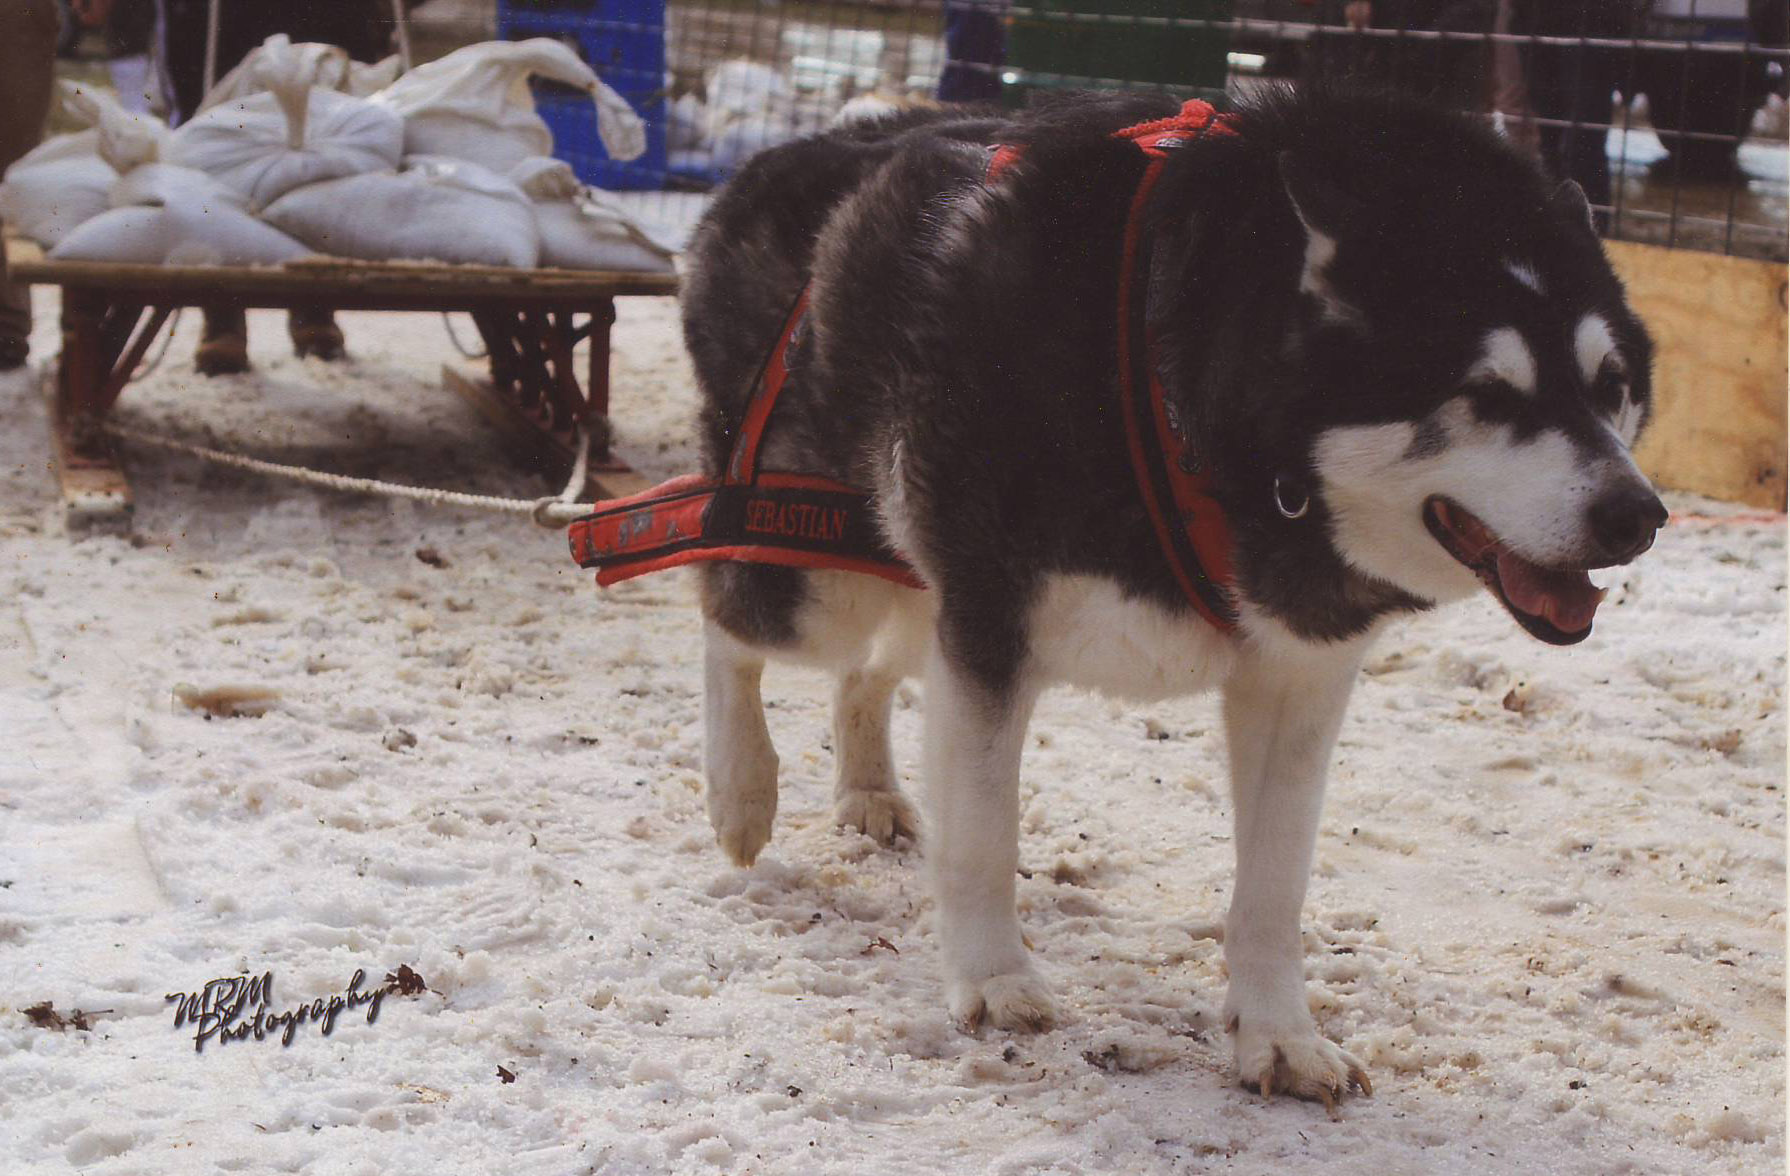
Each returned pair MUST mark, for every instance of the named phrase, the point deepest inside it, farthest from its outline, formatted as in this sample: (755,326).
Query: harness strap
(1174,482)
(798,520)
(795,520)
(743,463)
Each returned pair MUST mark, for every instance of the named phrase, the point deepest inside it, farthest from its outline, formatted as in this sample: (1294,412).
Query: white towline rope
(552,511)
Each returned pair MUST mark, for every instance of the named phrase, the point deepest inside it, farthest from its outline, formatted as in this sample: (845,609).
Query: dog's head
(1478,382)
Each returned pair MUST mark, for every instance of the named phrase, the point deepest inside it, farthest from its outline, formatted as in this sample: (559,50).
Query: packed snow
(279,730)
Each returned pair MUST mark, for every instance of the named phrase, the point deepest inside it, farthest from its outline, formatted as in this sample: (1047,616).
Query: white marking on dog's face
(1594,347)
(1314,280)
(1525,273)
(1535,493)
(1505,356)
(1627,424)
(1593,343)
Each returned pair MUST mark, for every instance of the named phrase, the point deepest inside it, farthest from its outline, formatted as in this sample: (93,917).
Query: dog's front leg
(972,749)
(1282,710)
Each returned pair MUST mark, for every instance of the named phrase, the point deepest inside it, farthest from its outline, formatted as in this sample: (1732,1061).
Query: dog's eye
(1609,390)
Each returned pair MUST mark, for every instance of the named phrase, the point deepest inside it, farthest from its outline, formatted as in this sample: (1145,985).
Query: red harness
(799,520)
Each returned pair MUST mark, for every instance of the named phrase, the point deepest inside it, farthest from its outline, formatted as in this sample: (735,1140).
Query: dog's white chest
(1086,633)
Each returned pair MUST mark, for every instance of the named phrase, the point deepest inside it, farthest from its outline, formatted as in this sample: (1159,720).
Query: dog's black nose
(1624,523)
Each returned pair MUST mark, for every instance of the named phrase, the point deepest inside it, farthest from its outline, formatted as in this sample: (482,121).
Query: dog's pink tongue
(1566,600)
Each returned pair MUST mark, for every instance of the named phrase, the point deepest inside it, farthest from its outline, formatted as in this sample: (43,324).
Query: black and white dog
(1392,353)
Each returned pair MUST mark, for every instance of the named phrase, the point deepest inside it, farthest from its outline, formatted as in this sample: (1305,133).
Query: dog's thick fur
(1374,309)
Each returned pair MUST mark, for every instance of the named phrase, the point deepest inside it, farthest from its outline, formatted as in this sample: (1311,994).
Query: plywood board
(1719,376)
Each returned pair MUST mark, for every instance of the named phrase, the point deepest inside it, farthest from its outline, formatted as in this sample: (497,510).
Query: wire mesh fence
(1670,113)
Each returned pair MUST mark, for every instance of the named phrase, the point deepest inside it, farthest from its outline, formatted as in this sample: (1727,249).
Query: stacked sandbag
(267,144)
(65,181)
(581,228)
(178,234)
(437,209)
(288,134)
(280,163)
(52,189)
(327,67)
(475,104)
(163,184)
(125,138)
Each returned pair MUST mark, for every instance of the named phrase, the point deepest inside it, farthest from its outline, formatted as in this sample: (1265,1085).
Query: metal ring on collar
(1280,502)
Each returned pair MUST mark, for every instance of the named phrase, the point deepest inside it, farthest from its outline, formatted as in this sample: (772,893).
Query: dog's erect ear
(1329,214)
(1570,202)
(1321,206)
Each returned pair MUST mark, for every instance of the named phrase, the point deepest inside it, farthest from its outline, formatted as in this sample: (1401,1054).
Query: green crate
(1095,44)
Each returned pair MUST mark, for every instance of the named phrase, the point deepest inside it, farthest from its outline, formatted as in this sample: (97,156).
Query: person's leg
(27,64)
(224,346)
(314,332)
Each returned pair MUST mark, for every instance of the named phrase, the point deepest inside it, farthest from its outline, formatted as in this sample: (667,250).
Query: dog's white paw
(741,833)
(742,794)
(1295,1059)
(1019,1001)
(881,815)
(742,815)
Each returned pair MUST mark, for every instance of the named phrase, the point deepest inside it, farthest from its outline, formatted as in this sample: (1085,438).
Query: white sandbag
(290,135)
(436,209)
(44,198)
(582,228)
(161,184)
(475,104)
(327,67)
(177,235)
(541,177)
(73,145)
(367,78)
(123,138)
(64,181)
(587,234)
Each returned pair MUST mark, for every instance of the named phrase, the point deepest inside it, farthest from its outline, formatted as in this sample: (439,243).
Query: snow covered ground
(1548,907)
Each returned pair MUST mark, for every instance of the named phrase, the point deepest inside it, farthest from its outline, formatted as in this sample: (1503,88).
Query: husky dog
(1395,351)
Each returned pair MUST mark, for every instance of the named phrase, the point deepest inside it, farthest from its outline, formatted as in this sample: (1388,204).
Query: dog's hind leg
(1282,709)
(738,759)
(974,737)
(866,796)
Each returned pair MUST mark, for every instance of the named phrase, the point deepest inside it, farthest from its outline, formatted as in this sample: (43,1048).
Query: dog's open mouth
(1556,605)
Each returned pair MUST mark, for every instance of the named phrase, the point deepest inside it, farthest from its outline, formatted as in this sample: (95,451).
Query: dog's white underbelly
(1086,632)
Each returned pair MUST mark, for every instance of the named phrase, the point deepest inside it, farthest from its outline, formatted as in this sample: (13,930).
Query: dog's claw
(1017,1002)
(1303,1065)
(881,816)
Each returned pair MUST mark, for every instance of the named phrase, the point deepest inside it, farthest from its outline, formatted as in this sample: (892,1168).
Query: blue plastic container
(624,43)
